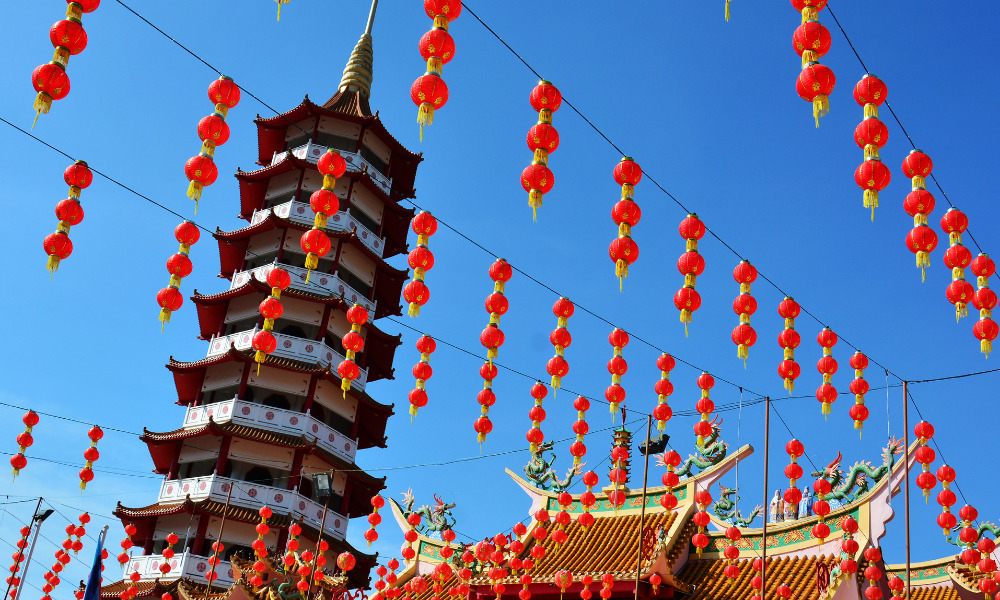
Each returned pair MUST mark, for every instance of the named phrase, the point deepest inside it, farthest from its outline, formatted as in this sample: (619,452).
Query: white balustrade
(319,283)
(187,565)
(355,162)
(253,496)
(295,348)
(302,213)
(279,420)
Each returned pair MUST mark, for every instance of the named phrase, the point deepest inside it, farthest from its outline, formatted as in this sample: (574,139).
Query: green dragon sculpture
(540,472)
(435,519)
(711,452)
(725,506)
(288,591)
(985,526)
(861,476)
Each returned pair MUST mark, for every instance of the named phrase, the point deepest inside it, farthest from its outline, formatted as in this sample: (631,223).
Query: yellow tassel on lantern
(164,318)
(826,410)
(821,104)
(743,352)
(535,202)
(871,110)
(414,310)
(280,2)
(194,190)
(320,220)
(727,18)
(52,265)
(961,310)
(685,318)
(345,384)
(809,56)
(425,116)
(810,13)
(986,346)
(789,384)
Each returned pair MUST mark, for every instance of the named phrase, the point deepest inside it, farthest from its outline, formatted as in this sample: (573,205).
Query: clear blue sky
(707,107)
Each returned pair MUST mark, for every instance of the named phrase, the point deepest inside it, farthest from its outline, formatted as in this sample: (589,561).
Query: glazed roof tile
(934,592)
(709,583)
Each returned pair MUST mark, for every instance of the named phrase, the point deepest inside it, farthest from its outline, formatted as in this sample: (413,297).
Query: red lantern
(859,387)
(925,456)
(315,242)
(872,176)
(705,407)
(437,47)
(69,212)
(626,214)
(922,241)
(871,135)
(491,339)
(270,309)
(578,449)
(870,93)
(663,388)
(815,84)
(422,372)
(421,260)
(170,298)
(561,339)
(821,507)
(687,299)
(811,41)
(954,223)
(353,343)
(69,38)
(90,456)
(788,369)
(745,305)
(24,441)
(793,471)
(732,553)
(700,541)
(537,416)
(827,366)
(14,581)
(542,140)
(618,476)
(617,367)
(985,300)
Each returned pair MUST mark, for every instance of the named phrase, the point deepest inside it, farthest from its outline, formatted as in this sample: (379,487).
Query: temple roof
(707,581)
(189,376)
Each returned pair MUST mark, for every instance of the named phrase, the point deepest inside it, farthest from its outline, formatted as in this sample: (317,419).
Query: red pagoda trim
(372,415)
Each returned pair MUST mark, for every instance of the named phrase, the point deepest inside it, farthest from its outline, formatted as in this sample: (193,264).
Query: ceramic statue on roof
(539,471)
(725,508)
(435,519)
(856,483)
(711,453)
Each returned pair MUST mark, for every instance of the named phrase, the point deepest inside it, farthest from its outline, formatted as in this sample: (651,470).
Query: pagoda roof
(395,217)
(388,279)
(161,449)
(707,581)
(379,350)
(344,105)
(188,379)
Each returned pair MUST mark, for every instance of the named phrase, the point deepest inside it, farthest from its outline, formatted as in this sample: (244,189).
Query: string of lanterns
(24,441)
(827,366)
(871,135)
(537,415)
(422,371)
(925,456)
(663,388)
(811,41)
(859,387)
(985,300)
(69,38)
(704,406)
(324,202)
(213,131)
(617,366)
(374,519)
(543,139)
(690,264)
(745,305)
(560,337)
(421,260)
(263,342)
(626,214)
(919,203)
(90,455)
(13,580)
(492,338)
(429,91)
(69,212)
(789,339)
(353,343)
(957,257)
(179,266)
(578,449)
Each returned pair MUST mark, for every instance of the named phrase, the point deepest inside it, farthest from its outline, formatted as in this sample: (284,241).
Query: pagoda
(642,550)
(256,435)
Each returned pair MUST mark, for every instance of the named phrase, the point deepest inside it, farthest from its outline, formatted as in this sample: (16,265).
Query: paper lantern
(690,264)
(618,476)
(859,387)
(663,388)
(954,223)
(827,366)
(263,341)
(69,38)
(848,546)
(578,449)
(588,500)
(745,305)
(815,84)
(626,214)
(170,298)
(353,344)
(871,135)
(537,415)
(617,366)
(704,407)
(924,431)
(213,131)
(789,339)
(557,366)
(429,91)
(793,471)
(985,300)
(422,372)
(69,212)
(315,242)
(700,541)
(421,260)
(821,507)
(492,338)
(543,139)
(90,455)
(671,460)
(24,441)
(19,555)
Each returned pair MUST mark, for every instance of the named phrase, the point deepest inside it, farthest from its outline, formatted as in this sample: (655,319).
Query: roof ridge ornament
(359,71)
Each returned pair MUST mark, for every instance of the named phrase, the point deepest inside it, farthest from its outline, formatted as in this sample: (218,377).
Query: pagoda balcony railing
(253,496)
(292,347)
(319,283)
(312,152)
(278,420)
(302,213)
(187,565)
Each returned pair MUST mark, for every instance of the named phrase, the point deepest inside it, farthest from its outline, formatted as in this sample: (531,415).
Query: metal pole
(20,554)
(31,550)
(906,487)
(319,541)
(218,540)
(763,535)
(371,18)
(642,510)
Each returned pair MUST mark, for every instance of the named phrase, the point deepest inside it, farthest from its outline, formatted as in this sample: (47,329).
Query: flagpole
(20,555)
(37,520)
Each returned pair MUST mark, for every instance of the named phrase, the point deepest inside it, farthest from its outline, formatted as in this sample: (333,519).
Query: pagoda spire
(358,73)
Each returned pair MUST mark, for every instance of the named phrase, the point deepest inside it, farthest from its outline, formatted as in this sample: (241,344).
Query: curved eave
(373,415)
(161,457)
(380,347)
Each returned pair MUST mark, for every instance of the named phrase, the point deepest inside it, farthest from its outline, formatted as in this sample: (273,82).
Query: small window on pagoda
(248,394)
(380,165)
(354,281)
(337,142)
(295,142)
(280,199)
(317,412)
(260,476)
(277,401)
(293,330)
(335,343)
(363,218)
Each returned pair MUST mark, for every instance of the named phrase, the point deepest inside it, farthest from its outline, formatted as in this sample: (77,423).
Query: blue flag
(94,581)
